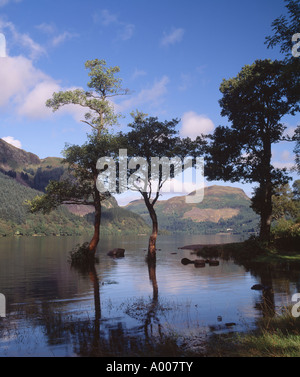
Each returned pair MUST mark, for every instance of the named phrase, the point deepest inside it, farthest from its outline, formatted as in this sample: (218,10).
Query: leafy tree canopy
(104,84)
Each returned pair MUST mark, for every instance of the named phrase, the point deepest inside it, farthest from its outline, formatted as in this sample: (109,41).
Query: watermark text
(296,307)
(2,305)
(165,175)
(2,46)
(296,46)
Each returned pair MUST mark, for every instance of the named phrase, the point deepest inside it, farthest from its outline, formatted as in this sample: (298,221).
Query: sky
(173,56)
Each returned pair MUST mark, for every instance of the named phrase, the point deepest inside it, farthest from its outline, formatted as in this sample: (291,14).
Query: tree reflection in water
(267,273)
(98,337)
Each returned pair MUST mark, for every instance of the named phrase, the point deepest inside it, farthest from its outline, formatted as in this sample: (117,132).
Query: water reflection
(278,280)
(129,306)
(97,338)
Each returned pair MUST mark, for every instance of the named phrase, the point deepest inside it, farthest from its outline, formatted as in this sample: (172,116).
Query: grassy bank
(251,250)
(275,337)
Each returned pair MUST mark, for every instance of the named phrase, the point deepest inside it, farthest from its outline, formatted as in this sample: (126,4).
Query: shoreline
(249,250)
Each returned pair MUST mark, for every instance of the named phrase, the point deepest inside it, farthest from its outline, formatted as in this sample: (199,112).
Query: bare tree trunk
(97,222)
(266,189)
(153,237)
(266,215)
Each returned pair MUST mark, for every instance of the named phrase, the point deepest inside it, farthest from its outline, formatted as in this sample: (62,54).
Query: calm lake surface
(121,304)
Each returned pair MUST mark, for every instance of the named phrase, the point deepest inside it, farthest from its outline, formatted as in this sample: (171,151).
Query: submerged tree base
(81,255)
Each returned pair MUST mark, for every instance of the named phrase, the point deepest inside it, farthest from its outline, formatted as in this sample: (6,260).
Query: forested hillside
(223,210)
(15,219)
(23,175)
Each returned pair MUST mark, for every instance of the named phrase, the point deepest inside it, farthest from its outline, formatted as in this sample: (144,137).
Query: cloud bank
(11,140)
(194,125)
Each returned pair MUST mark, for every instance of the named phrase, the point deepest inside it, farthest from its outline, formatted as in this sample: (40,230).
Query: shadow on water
(272,277)
(98,337)
(108,308)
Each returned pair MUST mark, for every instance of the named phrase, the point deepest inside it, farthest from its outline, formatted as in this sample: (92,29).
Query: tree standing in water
(80,188)
(160,148)
(82,160)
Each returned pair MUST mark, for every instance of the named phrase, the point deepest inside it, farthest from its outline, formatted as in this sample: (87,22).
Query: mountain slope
(23,175)
(15,219)
(12,157)
(223,209)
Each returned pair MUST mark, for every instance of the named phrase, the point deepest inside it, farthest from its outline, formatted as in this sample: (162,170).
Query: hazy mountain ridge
(223,209)
(23,175)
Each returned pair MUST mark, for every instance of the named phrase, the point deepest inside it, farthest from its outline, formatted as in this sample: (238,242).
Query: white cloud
(11,140)
(46,28)
(283,165)
(50,29)
(290,131)
(59,39)
(5,2)
(125,30)
(138,73)
(152,96)
(17,77)
(285,155)
(27,88)
(194,125)
(2,46)
(33,105)
(23,40)
(186,82)
(173,37)
(106,17)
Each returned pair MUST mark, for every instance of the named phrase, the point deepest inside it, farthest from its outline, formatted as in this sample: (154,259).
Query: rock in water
(260,287)
(116,253)
(186,261)
(199,263)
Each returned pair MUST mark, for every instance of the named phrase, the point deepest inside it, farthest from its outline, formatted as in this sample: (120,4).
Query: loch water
(118,307)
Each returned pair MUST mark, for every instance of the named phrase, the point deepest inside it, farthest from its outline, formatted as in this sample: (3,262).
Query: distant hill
(13,158)
(27,168)
(15,219)
(224,209)
(23,175)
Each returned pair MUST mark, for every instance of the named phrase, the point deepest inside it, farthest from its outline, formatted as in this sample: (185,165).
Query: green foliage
(80,255)
(120,221)
(80,187)
(297,148)
(58,193)
(103,85)
(254,102)
(43,177)
(284,27)
(286,203)
(15,219)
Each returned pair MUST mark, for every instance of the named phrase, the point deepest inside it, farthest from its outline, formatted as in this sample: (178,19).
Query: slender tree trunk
(267,190)
(266,214)
(97,222)
(153,237)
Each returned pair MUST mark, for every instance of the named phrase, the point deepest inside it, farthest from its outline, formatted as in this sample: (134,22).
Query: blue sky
(172,54)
